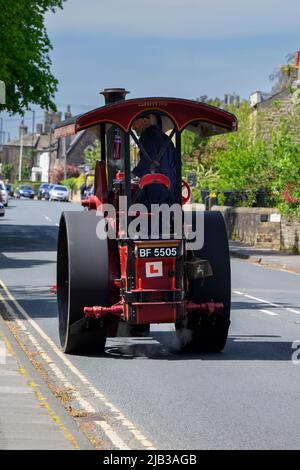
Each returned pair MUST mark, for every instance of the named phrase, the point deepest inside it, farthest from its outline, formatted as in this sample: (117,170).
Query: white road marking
(94,391)
(262,301)
(48,218)
(268,312)
(115,439)
(293,311)
(272,304)
(57,225)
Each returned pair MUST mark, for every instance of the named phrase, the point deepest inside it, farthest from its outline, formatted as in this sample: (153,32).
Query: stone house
(76,147)
(41,152)
(268,108)
(36,150)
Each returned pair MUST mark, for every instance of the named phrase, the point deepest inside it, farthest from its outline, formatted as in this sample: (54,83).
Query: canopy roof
(198,117)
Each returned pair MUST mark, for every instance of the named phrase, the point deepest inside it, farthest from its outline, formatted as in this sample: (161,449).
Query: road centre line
(262,301)
(297,312)
(268,312)
(94,391)
(50,220)
(293,310)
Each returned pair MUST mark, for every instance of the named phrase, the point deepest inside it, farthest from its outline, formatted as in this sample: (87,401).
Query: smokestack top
(112,95)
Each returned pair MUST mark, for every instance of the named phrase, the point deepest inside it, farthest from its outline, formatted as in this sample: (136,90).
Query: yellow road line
(42,400)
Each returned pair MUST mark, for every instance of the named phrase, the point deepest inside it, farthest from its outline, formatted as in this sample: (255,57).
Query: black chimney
(112,95)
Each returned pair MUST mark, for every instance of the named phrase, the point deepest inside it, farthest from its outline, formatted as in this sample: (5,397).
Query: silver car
(59,193)
(2,210)
(3,194)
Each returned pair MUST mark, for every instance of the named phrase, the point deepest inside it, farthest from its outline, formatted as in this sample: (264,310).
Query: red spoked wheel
(154,178)
(186,199)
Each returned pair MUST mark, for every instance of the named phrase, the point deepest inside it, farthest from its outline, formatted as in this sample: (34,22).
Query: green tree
(6,170)
(24,54)
(26,165)
(91,155)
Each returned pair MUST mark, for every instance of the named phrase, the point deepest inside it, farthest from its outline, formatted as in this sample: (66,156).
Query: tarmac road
(143,393)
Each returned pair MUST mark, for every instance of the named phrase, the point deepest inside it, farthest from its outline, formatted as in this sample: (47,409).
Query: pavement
(266,257)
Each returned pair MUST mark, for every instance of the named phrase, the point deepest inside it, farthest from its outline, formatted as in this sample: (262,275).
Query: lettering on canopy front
(154,104)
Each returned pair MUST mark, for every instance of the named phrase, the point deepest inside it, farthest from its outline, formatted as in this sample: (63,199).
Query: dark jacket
(152,140)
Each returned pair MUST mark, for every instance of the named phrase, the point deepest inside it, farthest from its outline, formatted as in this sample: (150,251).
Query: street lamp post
(21,153)
(50,150)
(64,156)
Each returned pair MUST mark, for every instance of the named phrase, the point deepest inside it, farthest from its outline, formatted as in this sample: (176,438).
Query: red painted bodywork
(122,114)
(152,178)
(134,295)
(154,312)
(186,199)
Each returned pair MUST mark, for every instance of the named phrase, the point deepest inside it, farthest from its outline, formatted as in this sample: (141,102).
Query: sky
(180,48)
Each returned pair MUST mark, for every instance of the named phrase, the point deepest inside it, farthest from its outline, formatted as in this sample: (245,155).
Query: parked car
(10,189)
(3,194)
(59,193)
(43,190)
(47,191)
(25,190)
(2,210)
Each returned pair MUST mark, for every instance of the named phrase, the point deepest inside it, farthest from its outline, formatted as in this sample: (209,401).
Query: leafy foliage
(57,174)
(91,155)
(257,157)
(6,170)
(24,54)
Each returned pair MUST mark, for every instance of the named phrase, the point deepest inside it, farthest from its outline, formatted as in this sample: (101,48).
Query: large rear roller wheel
(82,280)
(208,333)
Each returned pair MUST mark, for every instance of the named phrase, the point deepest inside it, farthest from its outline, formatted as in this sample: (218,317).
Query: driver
(152,140)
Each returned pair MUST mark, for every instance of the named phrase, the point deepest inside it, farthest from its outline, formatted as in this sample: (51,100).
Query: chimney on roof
(51,120)
(23,129)
(112,95)
(68,113)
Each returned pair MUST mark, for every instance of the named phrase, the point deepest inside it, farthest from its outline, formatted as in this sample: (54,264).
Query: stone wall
(261,227)
(290,235)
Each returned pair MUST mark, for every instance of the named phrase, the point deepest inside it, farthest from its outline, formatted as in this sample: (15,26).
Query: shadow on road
(257,306)
(164,346)
(27,238)
(38,302)
(13,263)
